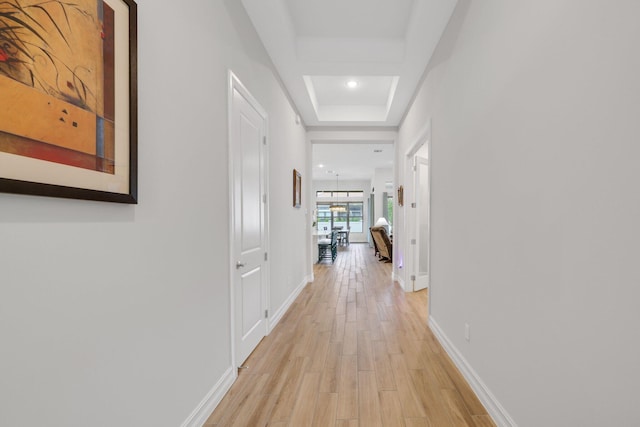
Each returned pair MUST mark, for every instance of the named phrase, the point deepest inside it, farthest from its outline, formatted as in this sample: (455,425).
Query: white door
(249,285)
(421,187)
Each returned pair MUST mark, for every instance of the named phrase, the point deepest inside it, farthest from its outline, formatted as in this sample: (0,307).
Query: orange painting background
(53,88)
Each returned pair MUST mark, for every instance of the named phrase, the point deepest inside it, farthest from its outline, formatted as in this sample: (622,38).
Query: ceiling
(332,158)
(318,46)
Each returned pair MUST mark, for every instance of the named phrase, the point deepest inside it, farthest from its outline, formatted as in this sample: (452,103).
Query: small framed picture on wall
(297,189)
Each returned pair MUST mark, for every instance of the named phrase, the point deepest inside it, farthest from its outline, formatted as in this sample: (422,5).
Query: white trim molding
(277,316)
(397,278)
(309,279)
(204,410)
(490,402)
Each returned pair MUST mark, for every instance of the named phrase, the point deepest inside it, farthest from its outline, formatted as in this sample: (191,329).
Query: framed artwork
(68,110)
(297,189)
(401,196)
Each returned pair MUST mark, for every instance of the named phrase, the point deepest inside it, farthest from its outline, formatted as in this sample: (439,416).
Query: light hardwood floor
(353,350)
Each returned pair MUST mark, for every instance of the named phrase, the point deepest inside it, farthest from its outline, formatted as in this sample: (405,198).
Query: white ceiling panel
(370,90)
(346,38)
(335,18)
(352,161)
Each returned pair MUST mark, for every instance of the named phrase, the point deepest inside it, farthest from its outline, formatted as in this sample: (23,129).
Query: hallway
(353,350)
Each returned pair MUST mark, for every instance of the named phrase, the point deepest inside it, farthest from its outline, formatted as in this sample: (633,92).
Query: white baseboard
(277,316)
(494,408)
(204,410)
(400,280)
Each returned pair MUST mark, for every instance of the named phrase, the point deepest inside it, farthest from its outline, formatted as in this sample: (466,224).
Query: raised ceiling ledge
(351,50)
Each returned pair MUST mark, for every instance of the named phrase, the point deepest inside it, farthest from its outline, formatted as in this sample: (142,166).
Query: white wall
(535,207)
(116,315)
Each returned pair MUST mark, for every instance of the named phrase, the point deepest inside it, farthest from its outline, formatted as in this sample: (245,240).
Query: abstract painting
(68,119)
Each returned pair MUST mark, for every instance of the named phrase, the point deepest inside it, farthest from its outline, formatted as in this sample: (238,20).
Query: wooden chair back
(382,242)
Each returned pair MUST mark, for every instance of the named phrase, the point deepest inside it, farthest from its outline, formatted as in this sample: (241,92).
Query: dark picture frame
(297,189)
(69,114)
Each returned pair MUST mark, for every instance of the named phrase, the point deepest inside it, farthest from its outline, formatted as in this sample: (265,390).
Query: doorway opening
(418,173)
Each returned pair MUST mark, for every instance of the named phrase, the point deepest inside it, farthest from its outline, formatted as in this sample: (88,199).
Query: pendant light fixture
(335,207)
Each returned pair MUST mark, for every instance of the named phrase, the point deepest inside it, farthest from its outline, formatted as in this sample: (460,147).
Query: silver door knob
(239,265)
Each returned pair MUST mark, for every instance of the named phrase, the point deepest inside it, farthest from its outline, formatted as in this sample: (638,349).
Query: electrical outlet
(467,335)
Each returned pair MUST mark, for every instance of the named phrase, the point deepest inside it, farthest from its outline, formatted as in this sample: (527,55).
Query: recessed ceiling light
(352,84)
(320,166)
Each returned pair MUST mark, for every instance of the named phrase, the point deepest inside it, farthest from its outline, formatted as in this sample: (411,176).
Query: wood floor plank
(382,366)
(233,398)
(305,406)
(246,404)
(339,323)
(320,309)
(383,312)
(457,409)
(279,371)
(483,421)
(365,351)
(390,337)
(412,406)
(352,312)
(353,350)
(271,359)
(368,400)
(363,323)
(326,410)
(350,344)
(375,328)
(372,305)
(468,396)
(391,409)
(347,423)
(410,351)
(331,371)
(435,370)
(418,422)
(286,399)
(326,323)
(319,353)
(262,411)
(304,341)
(348,388)
(432,396)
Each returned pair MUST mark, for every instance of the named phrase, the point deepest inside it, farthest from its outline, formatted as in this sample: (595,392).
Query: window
(351,219)
(355,217)
(324,217)
(342,194)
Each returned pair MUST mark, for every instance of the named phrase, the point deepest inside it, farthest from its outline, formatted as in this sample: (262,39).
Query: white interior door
(248,152)
(422,213)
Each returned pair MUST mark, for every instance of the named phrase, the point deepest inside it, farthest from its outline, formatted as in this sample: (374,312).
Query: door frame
(234,83)
(421,210)
(424,138)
